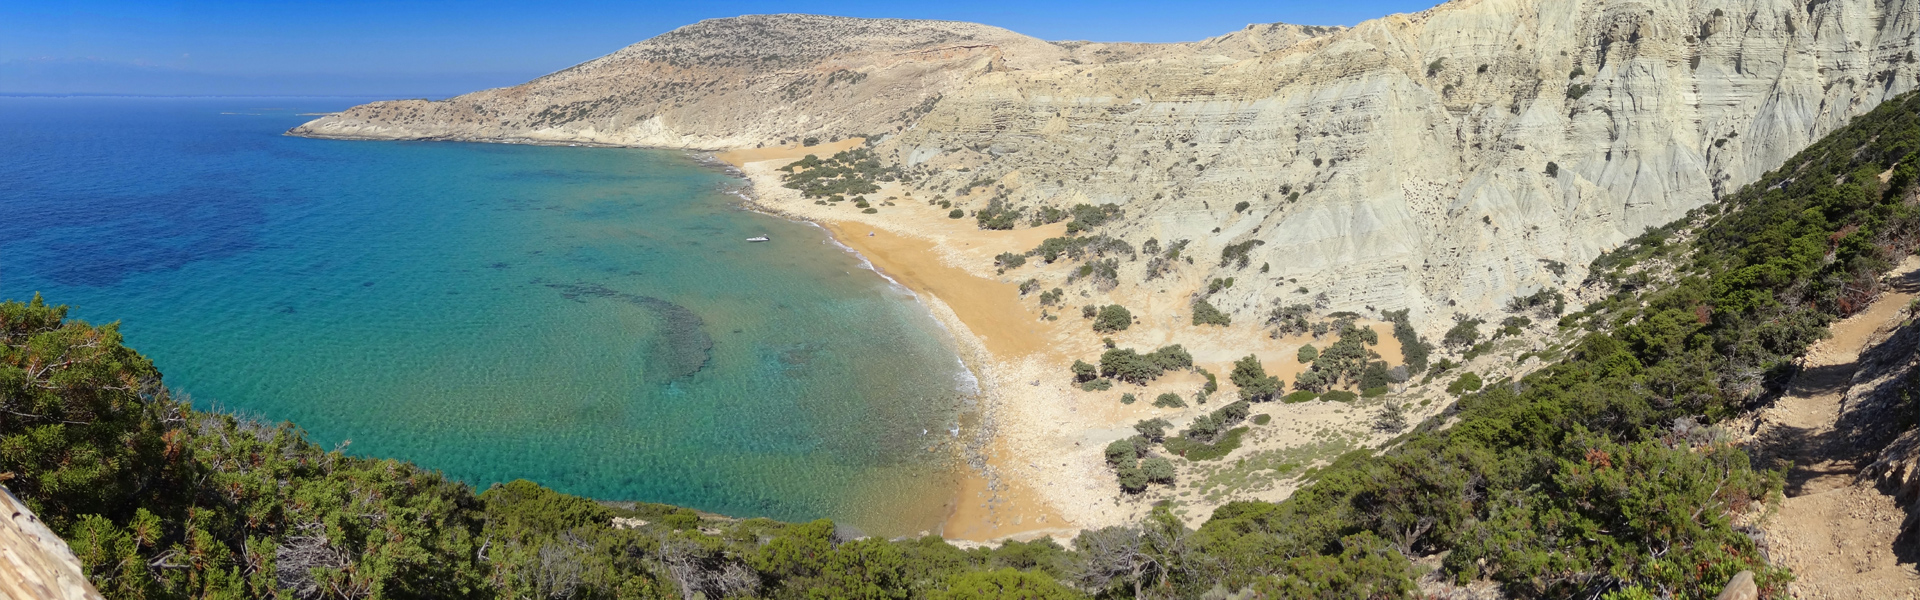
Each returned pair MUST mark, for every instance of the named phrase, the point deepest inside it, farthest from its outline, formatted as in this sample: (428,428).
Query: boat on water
(757,239)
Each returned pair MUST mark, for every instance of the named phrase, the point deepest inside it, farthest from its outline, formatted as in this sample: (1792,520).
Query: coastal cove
(588,318)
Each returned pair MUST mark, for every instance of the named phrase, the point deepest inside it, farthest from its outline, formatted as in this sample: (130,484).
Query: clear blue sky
(440,47)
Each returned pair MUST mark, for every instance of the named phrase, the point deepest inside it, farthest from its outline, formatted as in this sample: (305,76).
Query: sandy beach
(1039,469)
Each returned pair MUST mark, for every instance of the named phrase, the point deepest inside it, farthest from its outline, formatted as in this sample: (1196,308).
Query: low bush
(1466,382)
(1154,430)
(1253,381)
(1123,450)
(1128,365)
(1196,451)
(1157,469)
(1084,371)
(1112,318)
(1169,400)
(1298,397)
(1338,396)
(1204,313)
(1097,385)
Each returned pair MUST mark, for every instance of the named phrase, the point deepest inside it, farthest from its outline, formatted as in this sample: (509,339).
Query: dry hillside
(1438,161)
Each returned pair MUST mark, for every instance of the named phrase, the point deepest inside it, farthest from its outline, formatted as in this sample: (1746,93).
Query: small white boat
(757,239)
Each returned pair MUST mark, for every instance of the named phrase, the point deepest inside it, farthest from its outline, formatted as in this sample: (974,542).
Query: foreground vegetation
(1600,475)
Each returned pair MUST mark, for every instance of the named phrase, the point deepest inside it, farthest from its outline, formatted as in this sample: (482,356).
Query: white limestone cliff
(1401,163)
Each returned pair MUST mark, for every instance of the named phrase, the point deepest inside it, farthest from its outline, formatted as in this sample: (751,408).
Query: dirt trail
(1835,533)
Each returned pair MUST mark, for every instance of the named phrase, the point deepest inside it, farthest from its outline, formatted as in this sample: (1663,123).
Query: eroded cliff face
(1440,161)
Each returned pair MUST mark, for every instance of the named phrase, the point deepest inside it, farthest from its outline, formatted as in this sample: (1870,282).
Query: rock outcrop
(1440,161)
(35,564)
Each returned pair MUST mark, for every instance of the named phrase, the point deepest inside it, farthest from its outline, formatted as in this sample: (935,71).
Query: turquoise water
(588,318)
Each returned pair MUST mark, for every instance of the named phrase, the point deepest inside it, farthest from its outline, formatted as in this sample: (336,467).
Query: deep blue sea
(587,318)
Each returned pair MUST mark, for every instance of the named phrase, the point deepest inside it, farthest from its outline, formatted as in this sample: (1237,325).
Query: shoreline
(989,505)
(1037,466)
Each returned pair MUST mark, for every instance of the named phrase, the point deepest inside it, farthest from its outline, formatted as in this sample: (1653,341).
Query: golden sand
(1045,472)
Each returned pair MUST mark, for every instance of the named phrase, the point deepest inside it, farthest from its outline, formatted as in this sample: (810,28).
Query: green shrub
(1003,584)
(1084,372)
(1298,397)
(1463,335)
(1365,567)
(1122,451)
(1009,260)
(1097,385)
(1375,375)
(1157,469)
(1263,419)
(1133,479)
(956,213)
(1128,399)
(1338,396)
(1169,400)
(1253,381)
(1466,382)
(1153,430)
(1204,313)
(1308,353)
(1241,206)
(1374,392)
(1112,318)
(1238,255)
(1130,366)
(1196,451)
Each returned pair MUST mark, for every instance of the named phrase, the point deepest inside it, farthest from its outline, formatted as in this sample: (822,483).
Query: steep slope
(1420,145)
(1439,161)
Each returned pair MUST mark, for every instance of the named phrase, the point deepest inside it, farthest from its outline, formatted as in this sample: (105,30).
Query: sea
(591,319)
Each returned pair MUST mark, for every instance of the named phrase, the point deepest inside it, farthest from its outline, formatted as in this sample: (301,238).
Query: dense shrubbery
(1290,319)
(1254,382)
(1086,216)
(1204,313)
(1111,318)
(1081,248)
(1239,254)
(1413,348)
(847,173)
(1464,334)
(1344,362)
(997,215)
(1009,260)
(1128,365)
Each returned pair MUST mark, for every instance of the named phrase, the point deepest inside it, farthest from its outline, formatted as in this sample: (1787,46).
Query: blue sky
(441,47)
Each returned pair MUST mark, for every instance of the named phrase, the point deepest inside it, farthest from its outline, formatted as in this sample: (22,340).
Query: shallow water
(588,318)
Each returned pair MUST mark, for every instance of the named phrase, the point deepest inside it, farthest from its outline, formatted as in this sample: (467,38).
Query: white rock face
(1402,163)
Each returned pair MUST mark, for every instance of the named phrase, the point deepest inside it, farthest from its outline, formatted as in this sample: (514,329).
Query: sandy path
(1835,533)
